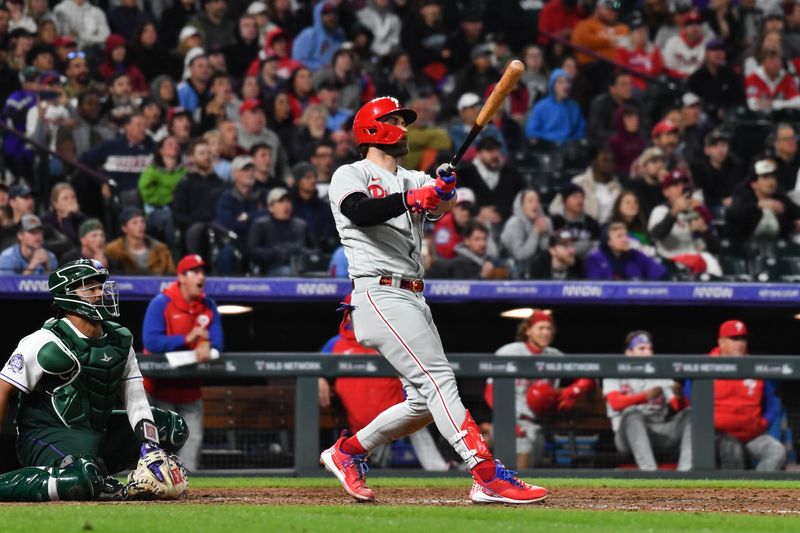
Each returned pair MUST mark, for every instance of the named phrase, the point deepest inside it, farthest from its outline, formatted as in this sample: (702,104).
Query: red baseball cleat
(505,488)
(351,470)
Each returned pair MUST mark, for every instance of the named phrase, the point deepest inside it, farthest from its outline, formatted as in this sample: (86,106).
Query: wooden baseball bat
(506,84)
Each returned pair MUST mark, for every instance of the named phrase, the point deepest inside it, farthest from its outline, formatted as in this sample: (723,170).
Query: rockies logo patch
(16,363)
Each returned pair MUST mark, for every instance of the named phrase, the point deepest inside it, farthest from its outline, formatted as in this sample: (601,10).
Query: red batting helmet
(542,398)
(368,128)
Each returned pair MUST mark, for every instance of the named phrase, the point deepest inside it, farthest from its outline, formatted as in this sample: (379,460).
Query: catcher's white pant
(192,413)
(398,323)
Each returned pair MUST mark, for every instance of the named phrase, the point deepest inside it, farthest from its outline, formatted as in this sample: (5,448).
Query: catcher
(71,374)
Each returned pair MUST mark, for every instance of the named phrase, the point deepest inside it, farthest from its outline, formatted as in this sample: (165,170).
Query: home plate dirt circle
(755,501)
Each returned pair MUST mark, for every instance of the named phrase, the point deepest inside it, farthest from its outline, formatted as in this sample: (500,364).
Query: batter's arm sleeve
(365,211)
(215,333)
(154,329)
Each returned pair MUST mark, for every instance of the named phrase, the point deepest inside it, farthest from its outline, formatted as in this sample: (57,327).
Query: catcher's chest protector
(83,383)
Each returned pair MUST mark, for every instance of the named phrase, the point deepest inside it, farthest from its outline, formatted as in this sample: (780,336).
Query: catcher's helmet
(542,398)
(66,282)
(368,128)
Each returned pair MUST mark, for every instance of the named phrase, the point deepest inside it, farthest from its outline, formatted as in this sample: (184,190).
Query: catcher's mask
(83,288)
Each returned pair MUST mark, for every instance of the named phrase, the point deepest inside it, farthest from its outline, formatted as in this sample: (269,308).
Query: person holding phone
(680,227)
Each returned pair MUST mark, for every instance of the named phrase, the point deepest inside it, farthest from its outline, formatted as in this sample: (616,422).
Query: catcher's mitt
(158,476)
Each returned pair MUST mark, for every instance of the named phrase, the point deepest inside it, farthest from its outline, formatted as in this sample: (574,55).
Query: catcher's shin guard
(79,480)
(469,443)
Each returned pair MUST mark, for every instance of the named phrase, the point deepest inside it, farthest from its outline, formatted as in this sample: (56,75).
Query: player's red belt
(413,285)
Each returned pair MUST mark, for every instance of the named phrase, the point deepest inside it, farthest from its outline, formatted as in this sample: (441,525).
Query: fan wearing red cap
(537,398)
(744,410)
(680,228)
(648,415)
(380,208)
(684,52)
(181,318)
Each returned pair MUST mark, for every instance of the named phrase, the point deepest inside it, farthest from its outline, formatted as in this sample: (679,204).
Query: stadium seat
(314,264)
(786,269)
(735,268)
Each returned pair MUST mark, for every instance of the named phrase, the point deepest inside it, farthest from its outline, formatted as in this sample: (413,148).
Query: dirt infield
(758,501)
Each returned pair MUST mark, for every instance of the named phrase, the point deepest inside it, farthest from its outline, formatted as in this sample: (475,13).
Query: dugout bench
(305,369)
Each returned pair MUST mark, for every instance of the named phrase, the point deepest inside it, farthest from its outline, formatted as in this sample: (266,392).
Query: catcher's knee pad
(172,429)
(78,479)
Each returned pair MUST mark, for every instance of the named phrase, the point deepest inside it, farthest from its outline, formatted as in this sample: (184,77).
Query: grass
(245,518)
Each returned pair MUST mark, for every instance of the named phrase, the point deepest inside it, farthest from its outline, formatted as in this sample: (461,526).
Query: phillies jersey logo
(375,189)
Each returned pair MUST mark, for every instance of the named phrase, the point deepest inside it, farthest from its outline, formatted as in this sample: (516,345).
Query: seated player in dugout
(537,399)
(70,375)
(648,415)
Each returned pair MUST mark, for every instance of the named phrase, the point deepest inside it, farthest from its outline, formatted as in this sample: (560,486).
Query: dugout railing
(306,368)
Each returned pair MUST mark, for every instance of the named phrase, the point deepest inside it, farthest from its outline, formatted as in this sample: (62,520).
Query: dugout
(300,316)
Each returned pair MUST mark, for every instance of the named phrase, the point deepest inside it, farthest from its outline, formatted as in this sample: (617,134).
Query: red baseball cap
(177,112)
(249,105)
(540,315)
(675,177)
(665,126)
(190,262)
(65,41)
(693,17)
(732,328)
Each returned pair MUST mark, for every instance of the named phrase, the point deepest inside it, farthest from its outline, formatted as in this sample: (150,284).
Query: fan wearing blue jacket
(315,45)
(556,118)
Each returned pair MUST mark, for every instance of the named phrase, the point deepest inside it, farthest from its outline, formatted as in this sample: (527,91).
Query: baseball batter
(379,208)
(640,411)
(70,374)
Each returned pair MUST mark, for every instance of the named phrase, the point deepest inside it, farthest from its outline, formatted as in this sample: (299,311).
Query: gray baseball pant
(398,323)
(639,437)
(766,449)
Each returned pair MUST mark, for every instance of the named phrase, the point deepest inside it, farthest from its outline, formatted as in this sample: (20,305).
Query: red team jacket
(363,398)
(647,61)
(737,406)
(168,319)
(446,236)
(758,86)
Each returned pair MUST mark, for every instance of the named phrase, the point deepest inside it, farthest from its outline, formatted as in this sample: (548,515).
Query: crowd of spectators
(641,143)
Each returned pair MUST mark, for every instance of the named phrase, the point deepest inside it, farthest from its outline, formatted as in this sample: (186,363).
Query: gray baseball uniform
(639,429)
(533,441)
(395,321)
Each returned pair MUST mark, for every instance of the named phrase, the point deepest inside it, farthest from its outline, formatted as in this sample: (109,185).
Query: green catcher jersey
(70,380)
